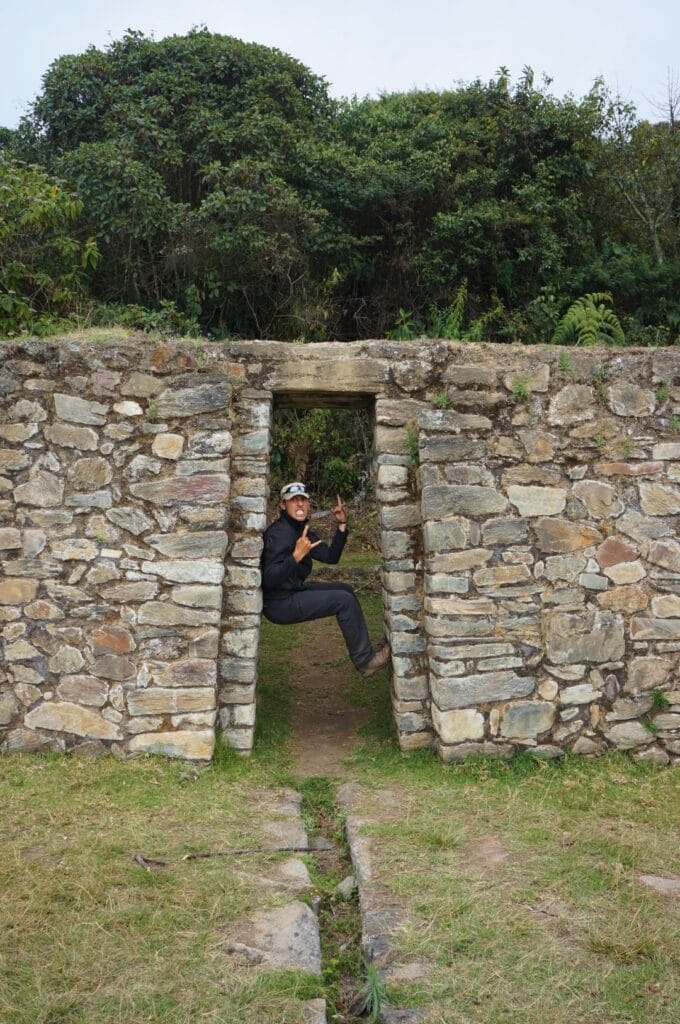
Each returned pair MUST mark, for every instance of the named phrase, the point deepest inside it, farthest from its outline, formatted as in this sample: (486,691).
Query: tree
(41,264)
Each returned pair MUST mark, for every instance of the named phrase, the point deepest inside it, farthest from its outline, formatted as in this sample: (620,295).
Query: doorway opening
(305,676)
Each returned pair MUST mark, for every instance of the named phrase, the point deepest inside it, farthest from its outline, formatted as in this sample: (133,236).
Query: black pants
(319,600)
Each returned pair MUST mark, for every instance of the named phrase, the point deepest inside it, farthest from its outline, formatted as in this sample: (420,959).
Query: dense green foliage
(228,194)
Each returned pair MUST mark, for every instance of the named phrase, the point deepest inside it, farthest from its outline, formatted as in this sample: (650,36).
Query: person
(289,547)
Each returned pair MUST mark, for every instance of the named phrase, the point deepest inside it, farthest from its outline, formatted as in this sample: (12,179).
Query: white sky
(365,47)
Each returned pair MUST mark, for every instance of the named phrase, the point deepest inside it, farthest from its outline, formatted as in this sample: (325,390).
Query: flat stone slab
(284,937)
(661,884)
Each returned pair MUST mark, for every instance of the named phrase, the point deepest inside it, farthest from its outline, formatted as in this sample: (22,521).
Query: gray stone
(648,673)
(201,672)
(198,596)
(202,489)
(440,502)
(130,592)
(63,716)
(654,629)
(657,500)
(284,938)
(459,725)
(448,448)
(186,570)
(483,688)
(192,401)
(630,400)
(627,735)
(600,499)
(97,499)
(131,519)
(504,531)
(573,404)
(78,410)
(446,535)
(113,666)
(399,517)
(159,613)
(527,719)
(8,707)
(43,490)
(210,443)
(190,745)
(67,659)
(537,501)
(573,637)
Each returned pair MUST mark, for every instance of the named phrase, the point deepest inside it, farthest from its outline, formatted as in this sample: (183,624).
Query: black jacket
(281,574)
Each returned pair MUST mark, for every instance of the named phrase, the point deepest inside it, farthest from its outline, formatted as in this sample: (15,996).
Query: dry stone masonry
(528,501)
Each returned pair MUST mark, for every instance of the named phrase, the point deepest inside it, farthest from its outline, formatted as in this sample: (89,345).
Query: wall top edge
(106,342)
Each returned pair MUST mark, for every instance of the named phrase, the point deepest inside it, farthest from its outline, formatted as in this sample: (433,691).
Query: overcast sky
(366,47)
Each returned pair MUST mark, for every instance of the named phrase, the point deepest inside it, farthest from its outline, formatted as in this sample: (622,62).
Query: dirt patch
(484,857)
(325,726)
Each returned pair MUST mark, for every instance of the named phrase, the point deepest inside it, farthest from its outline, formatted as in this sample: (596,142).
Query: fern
(588,321)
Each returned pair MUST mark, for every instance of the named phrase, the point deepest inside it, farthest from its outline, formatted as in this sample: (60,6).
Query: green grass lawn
(559,931)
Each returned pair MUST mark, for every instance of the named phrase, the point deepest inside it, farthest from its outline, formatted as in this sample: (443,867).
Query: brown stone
(189,745)
(624,599)
(157,700)
(63,716)
(12,460)
(561,535)
(168,446)
(43,490)
(615,550)
(112,666)
(10,538)
(655,629)
(628,468)
(67,436)
(631,400)
(539,445)
(600,499)
(89,474)
(665,553)
(144,590)
(17,591)
(657,500)
(538,501)
(573,404)
(43,610)
(83,689)
(112,638)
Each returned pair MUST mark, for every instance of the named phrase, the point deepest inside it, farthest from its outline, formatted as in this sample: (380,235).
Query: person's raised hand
(340,511)
(304,545)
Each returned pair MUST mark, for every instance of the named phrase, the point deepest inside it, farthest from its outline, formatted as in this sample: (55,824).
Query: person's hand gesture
(303,545)
(340,511)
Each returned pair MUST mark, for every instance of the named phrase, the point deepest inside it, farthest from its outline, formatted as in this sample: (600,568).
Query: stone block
(183,402)
(504,531)
(83,689)
(630,400)
(168,446)
(657,500)
(560,536)
(446,535)
(527,719)
(202,489)
(198,596)
(457,726)
(194,672)
(538,501)
(79,410)
(654,629)
(64,716)
(157,700)
(481,688)
(131,519)
(647,673)
(440,502)
(190,570)
(191,745)
(451,448)
(43,490)
(600,499)
(161,613)
(17,591)
(627,735)
(572,404)
(591,636)
(399,517)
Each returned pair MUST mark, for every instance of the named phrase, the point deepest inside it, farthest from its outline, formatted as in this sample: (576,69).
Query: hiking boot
(380,658)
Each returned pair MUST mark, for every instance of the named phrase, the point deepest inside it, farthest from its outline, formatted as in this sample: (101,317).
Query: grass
(561,930)
(558,931)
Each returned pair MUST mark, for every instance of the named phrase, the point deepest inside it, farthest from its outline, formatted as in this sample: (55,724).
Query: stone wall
(529,502)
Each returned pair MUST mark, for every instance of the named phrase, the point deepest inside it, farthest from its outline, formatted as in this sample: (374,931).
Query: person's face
(297,507)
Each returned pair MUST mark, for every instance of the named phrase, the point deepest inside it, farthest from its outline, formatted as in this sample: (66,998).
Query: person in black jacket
(289,547)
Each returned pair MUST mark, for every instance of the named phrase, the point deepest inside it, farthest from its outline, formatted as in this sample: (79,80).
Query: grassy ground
(520,881)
